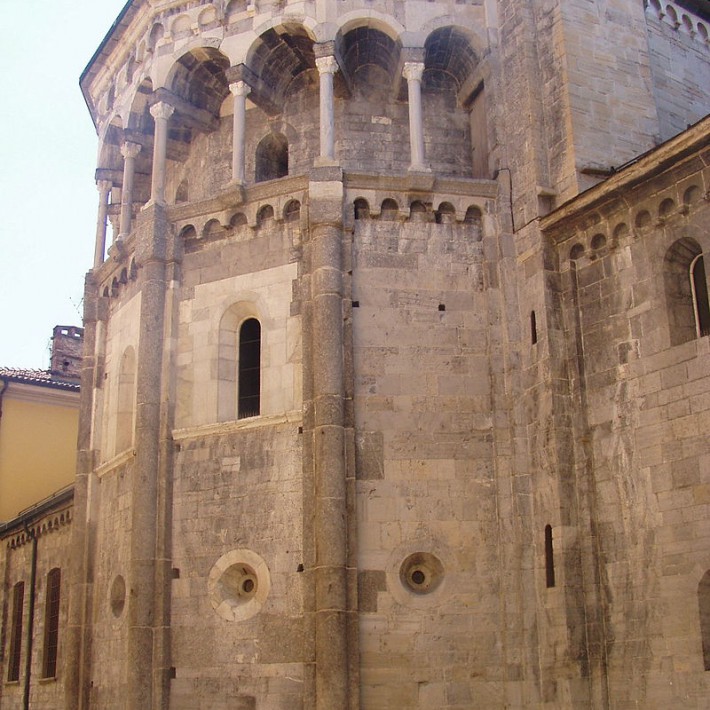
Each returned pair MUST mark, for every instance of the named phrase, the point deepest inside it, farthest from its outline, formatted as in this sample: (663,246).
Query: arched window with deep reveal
(271,158)
(249,382)
(51,624)
(686,291)
(704,608)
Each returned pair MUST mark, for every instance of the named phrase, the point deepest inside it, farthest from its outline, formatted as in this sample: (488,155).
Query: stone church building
(396,380)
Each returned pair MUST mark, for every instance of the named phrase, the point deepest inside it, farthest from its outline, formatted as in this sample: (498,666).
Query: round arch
(375,20)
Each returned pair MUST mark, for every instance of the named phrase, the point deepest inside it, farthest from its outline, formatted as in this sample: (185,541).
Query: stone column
(161,112)
(146,556)
(129,151)
(327,66)
(326,430)
(240,90)
(412,72)
(104,187)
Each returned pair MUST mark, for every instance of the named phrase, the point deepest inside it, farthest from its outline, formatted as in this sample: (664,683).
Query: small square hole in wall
(356,304)
(442,307)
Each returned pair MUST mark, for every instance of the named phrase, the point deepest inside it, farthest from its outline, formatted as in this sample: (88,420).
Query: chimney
(67,346)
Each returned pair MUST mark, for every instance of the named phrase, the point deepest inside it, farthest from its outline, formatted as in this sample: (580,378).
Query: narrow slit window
(549,558)
(533,327)
(18,598)
(51,624)
(249,384)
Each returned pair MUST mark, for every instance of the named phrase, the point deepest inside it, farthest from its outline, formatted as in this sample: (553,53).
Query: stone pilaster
(145,594)
(324,399)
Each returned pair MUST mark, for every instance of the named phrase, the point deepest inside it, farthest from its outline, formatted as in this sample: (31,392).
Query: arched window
(249,383)
(686,292)
(704,608)
(239,363)
(700,295)
(18,598)
(271,157)
(51,624)
(126,400)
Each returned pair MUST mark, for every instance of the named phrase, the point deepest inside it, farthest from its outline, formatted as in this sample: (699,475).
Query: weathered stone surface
(474,462)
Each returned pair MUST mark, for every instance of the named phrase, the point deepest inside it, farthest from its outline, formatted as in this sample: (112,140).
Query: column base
(325,162)
(153,203)
(228,190)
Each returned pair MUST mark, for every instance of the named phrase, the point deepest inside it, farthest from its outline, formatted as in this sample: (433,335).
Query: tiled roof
(44,378)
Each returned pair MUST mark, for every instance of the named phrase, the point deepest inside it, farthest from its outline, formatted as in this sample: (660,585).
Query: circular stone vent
(238,585)
(421,573)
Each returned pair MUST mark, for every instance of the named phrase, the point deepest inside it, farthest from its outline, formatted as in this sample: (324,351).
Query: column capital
(104,185)
(413,71)
(130,150)
(161,110)
(240,88)
(327,65)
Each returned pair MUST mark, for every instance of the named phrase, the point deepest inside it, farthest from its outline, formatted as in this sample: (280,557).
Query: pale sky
(48,197)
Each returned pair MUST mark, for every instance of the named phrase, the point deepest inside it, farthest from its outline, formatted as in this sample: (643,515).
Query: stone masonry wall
(644,437)
(680,68)
(425,466)
(54,532)
(237,490)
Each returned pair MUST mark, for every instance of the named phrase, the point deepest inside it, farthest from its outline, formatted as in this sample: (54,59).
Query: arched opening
(704,609)
(182,192)
(271,158)
(389,210)
(126,400)
(454,104)
(361,208)
(249,383)
(446,214)
(576,252)
(686,291)
(265,215)
(418,212)
(292,211)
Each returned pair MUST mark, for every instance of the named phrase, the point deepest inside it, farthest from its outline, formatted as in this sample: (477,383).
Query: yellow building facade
(39,414)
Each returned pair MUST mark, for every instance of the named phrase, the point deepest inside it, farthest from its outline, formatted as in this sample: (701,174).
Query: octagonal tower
(321,428)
